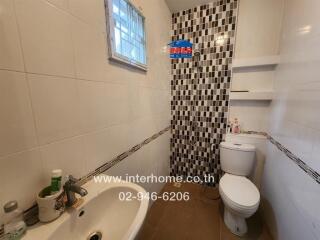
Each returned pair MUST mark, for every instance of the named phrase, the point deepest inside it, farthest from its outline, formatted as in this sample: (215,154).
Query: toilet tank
(237,158)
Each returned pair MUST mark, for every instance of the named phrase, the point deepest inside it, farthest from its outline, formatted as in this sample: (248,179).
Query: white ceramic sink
(102,211)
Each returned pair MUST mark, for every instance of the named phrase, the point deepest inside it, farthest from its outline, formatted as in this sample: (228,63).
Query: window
(127,42)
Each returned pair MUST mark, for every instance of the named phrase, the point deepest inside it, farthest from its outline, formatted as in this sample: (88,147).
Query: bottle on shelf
(236,126)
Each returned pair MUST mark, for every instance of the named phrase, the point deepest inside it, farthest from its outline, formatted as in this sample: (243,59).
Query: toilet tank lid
(238,146)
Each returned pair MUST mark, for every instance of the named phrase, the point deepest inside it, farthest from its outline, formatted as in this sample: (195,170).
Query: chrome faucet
(70,188)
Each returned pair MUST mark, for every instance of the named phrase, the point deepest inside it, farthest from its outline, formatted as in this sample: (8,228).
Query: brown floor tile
(156,213)
(175,223)
(200,218)
(256,229)
(147,232)
(205,224)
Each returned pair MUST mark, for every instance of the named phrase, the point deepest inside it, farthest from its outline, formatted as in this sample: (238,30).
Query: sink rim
(94,190)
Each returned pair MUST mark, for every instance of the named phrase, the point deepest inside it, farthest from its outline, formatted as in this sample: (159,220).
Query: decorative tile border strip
(31,214)
(305,167)
(121,157)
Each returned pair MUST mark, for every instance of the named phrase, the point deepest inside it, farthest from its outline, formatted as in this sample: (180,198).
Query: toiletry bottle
(14,226)
(236,126)
(56,176)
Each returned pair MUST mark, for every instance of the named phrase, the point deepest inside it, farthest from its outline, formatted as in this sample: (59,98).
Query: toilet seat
(239,193)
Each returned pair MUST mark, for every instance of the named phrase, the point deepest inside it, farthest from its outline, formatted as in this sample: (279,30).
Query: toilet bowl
(240,196)
(241,200)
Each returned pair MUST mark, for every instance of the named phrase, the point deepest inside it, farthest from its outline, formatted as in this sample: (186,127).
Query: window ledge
(129,63)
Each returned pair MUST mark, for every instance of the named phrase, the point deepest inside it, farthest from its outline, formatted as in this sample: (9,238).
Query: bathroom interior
(159,119)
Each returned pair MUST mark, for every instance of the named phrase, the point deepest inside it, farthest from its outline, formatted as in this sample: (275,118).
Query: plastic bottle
(56,177)
(236,126)
(14,226)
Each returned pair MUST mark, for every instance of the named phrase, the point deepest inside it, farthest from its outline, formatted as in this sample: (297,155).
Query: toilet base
(237,225)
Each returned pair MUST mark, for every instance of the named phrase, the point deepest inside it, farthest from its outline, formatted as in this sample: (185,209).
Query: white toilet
(240,196)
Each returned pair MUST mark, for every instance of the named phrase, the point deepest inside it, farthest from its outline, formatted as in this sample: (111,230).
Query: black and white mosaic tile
(200,87)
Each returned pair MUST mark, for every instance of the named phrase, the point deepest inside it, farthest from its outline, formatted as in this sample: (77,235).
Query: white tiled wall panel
(89,11)
(258,28)
(56,107)
(252,115)
(10,49)
(71,108)
(151,157)
(292,196)
(16,120)
(63,4)
(46,38)
(21,177)
(68,155)
(90,48)
(258,36)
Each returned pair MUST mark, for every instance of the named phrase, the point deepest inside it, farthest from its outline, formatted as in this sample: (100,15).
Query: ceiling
(178,5)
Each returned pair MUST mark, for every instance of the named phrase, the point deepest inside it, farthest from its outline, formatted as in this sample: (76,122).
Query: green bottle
(56,177)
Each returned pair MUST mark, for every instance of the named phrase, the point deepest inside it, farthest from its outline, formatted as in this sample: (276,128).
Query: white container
(50,207)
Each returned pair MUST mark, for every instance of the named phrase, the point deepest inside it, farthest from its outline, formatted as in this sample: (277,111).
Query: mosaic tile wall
(200,87)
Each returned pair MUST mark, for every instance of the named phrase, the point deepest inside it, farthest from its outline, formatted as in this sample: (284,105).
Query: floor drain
(95,236)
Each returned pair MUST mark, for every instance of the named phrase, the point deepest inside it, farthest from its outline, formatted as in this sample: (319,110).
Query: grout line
(36,131)
(68,11)
(85,133)
(81,79)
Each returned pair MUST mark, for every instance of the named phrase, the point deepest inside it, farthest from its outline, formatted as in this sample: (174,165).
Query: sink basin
(102,214)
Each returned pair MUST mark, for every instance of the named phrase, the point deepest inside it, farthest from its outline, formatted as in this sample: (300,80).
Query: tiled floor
(196,219)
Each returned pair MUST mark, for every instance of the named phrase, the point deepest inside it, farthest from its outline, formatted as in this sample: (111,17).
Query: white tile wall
(56,107)
(93,97)
(151,158)
(68,155)
(252,115)
(21,177)
(16,120)
(118,103)
(103,146)
(46,38)
(90,48)
(256,79)
(63,4)
(91,12)
(291,194)
(72,108)
(258,28)
(258,35)
(11,55)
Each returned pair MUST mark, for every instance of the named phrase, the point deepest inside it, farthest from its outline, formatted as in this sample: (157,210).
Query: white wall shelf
(251,96)
(256,62)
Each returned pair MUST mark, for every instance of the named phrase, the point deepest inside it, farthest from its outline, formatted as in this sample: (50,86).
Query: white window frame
(113,55)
